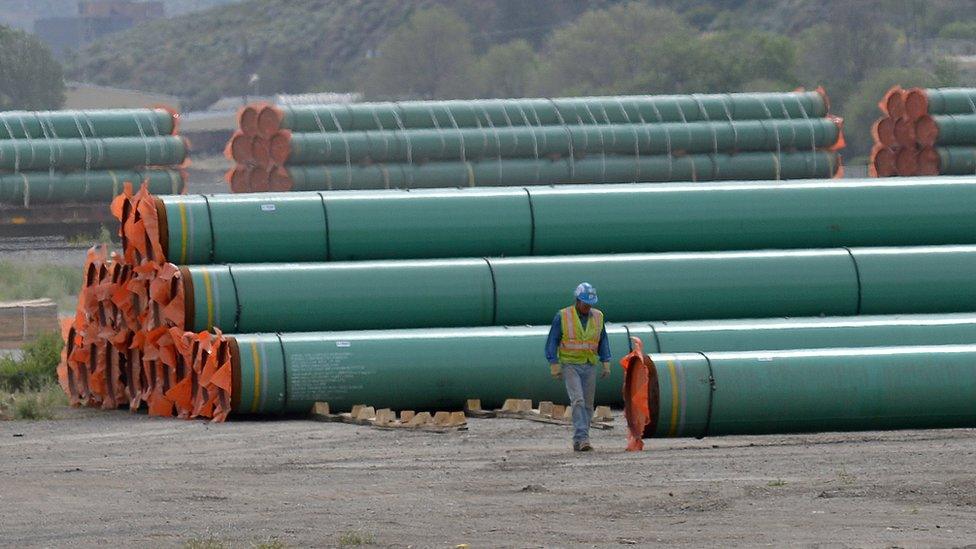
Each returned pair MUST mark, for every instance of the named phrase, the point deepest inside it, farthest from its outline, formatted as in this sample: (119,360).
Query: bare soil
(114,478)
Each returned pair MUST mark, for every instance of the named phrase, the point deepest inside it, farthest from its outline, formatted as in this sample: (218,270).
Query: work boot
(577,446)
(585,446)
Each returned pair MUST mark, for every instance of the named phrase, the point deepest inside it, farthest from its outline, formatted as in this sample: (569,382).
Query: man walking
(577,343)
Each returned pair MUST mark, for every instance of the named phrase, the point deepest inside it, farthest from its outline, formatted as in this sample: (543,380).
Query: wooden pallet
(547,412)
(386,419)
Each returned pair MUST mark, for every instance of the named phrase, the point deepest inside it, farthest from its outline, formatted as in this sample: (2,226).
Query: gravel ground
(114,478)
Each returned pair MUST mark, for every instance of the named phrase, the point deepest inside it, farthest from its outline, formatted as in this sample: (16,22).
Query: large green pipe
(439,369)
(957,160)
(937,101)
(343,226)
(591,169)
(542,112)
(669,286)
(92,123)
(947,130)
(534,142)
(91,153)
(96,186)
(765,392)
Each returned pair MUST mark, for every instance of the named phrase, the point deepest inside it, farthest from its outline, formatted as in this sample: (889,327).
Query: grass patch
(36,369)
(19,280)
(209,543)
(214,543)
(846,477)
(40,403)
(28,386)
(356,538)
(776,483)
(103,236)
(271,544)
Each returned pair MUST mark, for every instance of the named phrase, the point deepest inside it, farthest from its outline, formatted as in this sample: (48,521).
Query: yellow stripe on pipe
(209,293)
(183,232)
(257,376)
(674,400)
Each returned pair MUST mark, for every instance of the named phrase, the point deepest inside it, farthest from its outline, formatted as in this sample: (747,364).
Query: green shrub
(959,30)
(37,368)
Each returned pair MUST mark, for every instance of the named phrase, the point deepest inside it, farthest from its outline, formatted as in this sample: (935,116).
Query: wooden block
(365,413)
(603,413)
(473,404)
(320,409)
(568,414)
(423,418)
(545,408)
(406,416)
(442,418)
(511,405)
(385,416)
(558,411)
(355,410)
(458,419)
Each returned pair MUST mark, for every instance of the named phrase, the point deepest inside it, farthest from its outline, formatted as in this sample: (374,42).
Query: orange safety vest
(579,345)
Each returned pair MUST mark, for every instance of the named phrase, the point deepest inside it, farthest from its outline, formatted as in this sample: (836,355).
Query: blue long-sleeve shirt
(556,334)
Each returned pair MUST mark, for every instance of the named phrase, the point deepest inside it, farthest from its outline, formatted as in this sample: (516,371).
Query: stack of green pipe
(539,141)
(87,156)
(91,153)
(90,124)
(83,186)
(419,224)
(542,112)
(591,169)
(937,101)
(439,369)
(280,297)
(547,141)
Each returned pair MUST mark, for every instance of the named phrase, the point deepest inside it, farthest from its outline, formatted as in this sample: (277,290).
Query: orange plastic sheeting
(926,131)
(916,103)
(247,117)
(906,161)
(636,389)
(841,142)
(929,162)
(905,132)
(893,102)
(269,120)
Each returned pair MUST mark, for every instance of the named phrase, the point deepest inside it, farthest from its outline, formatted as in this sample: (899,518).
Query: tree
(839,54)
(508,70)
(429,57)
(30,78)
(617,50)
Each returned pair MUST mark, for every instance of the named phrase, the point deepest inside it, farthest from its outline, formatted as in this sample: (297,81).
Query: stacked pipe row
(178,371)
(87,156)
(534,142)
(925,132)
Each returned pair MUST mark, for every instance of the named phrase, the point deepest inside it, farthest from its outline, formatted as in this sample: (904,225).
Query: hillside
(294,45)
(309,45)
(22,13)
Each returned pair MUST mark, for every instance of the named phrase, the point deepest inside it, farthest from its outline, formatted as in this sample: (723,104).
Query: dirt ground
(114,478)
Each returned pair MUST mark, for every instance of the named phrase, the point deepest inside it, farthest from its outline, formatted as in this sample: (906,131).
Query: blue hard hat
(586,293)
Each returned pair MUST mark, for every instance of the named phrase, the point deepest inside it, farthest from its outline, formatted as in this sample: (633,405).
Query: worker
(577,344)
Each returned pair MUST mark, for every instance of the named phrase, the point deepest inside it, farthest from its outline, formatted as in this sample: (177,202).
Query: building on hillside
(96,18)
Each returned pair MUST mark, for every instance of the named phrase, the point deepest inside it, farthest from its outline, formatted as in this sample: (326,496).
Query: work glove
(606,370)
(556,370)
